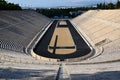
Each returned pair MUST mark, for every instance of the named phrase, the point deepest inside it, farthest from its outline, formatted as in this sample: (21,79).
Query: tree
(2,4)
(9,6)
(99,6)
(111,6)
(117,4)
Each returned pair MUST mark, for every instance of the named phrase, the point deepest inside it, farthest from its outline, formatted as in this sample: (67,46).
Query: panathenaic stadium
(34,47)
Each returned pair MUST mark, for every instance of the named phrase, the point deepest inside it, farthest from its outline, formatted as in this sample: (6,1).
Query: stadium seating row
(102,27)
(98,25)
(18,28)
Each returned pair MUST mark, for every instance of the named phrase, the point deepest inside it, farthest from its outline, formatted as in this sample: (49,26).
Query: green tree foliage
(54,12)
(109,5)
(73,12)
(62,12)
(9,6)
(117,6)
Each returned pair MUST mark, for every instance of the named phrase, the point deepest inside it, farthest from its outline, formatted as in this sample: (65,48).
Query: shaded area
(108,75)
(42,46)
(62,47)
(27,74)
(81,45)
(54,49)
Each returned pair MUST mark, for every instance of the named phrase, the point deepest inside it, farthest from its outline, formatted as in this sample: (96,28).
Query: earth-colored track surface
(64,40)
